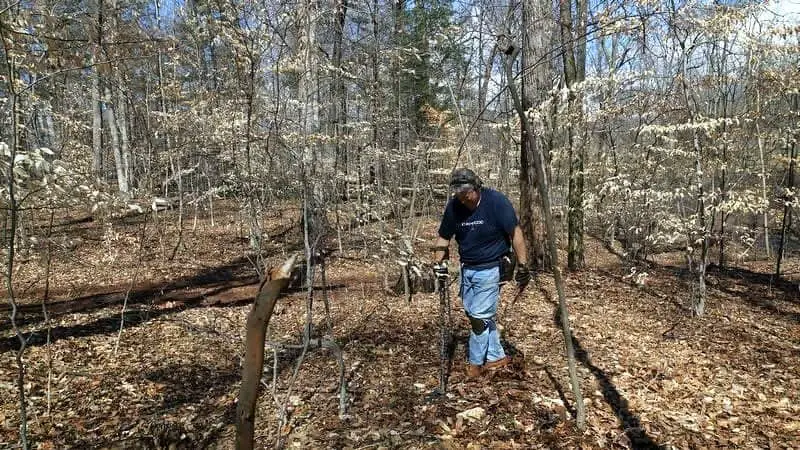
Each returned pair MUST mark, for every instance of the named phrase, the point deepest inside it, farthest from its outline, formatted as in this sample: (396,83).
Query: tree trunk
(721,56)
(543,187)
(11,76)
(253,364)
(700,231)
(536,76)
(699,297)
(763,174)
(339,97)
(764,200)
(147,164)
(122,126)
(97,125)
(787,201)
(45,129)
(483,82)
(574,62)
(110,119)
(256,235)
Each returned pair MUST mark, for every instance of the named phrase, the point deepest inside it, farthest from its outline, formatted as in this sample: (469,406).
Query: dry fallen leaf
(472,414)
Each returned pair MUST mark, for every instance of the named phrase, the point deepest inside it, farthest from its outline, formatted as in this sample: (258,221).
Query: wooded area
(158,159)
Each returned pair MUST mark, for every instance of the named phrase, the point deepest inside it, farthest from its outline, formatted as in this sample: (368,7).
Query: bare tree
(544,194)
(11,76)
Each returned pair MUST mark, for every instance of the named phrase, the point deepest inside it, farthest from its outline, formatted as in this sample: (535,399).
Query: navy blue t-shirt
(483,235)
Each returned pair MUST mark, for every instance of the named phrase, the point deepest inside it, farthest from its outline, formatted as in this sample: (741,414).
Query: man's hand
(440,270)
(523,275)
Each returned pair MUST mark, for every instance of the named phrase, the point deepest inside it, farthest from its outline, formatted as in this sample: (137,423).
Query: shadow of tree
(104,325)
(762,290)
(560,390)
(225,277)
(786,290)
(647,290)
(191,292)
(631,424)
(132,317)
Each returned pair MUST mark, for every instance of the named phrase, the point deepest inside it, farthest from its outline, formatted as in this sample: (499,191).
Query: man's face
(468,197)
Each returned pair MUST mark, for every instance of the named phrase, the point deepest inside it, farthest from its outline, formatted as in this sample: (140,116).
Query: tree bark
(787,207)
(255,338)
(721,55)
(699,266)
(97,125)
(124,140)
(699,232)
(110,119)
(339,96)
(483,82)
(536,77)
(765,201)
(574,61)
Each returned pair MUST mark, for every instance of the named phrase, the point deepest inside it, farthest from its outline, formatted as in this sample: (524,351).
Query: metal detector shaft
(444,326)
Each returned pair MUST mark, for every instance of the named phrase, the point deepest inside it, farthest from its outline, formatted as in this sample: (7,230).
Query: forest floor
(652,376)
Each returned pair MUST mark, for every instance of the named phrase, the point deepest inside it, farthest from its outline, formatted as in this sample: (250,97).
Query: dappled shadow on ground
(186,384)
(375,338)
(104,325)
(397,376)
(209,287)
(236,273)
(191,383)
(758,289)
(648,290)
(135,315)
(631,424)
(762,290)
(392,365)
(788,289)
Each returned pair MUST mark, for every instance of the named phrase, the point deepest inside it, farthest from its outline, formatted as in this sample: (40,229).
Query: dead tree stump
(257,322)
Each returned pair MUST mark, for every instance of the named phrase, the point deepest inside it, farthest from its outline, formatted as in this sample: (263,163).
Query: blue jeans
(480,290)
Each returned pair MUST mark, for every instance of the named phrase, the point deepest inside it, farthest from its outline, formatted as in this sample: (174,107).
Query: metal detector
(445,327)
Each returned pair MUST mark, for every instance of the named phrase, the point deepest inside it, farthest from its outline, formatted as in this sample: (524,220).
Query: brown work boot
(502,362)
(474,371)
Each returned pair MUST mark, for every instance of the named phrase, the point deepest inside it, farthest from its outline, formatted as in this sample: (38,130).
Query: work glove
(523,275)
(440,270)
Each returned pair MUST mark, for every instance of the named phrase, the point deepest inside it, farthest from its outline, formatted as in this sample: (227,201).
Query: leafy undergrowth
(651,375)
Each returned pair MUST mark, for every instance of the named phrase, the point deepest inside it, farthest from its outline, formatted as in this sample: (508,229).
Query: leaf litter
(651,375)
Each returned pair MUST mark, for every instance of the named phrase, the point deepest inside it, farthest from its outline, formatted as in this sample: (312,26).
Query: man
(483,222)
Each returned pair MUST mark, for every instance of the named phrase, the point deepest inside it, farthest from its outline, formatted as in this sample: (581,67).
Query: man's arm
(520,249)
(441,249)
